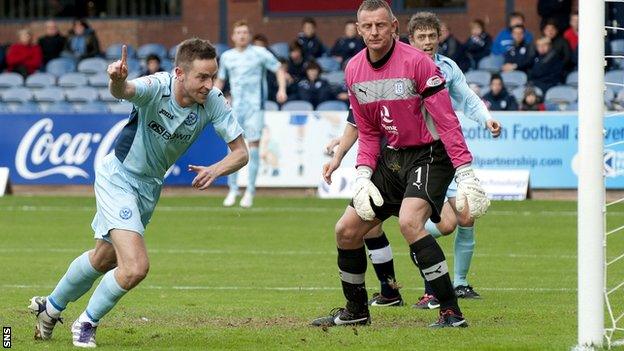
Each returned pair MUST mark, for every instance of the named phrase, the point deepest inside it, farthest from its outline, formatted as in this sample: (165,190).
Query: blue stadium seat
(514,79)
(72,79)
(280,49)
(60,107)
(335,78)
(616,78)
(92,107)
(172,52)
(572,79)
(49,94)
(11,79)
(221,48)
(491,63)
(152,48)
(572,106)
(134,67)
(105,95)
(17,94)
(99,80)
(60,66)
(26,107)
(332,105)
(40,80)
(113,52)
(561,94)
(328,64)
(166,65)
(297,105)
(518,92)
(92,65)
(478,77)
(609,97)
(122,107)
(4,108)
(81,94)
(271,106)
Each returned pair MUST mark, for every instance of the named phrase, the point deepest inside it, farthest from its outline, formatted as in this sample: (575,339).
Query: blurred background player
(245,66)
(424,30)
(129,180)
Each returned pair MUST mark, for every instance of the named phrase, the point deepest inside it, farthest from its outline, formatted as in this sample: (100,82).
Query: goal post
(591,186)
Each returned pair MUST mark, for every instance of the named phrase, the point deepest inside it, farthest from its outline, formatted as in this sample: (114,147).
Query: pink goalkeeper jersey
(405,101)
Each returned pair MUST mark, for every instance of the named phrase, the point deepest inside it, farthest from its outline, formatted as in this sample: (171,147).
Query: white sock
(52,311)
(85,318)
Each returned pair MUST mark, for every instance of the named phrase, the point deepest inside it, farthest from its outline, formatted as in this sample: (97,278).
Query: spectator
(260,40)
(531,101)
(452,48)
(503,40)
(558,43)
(52,43)
(547,70)
(348,45)
(571,34)
(498,99)
(479,45)
(520,56)
(295,62)
(310,43)
(24,57)
(556,10)
(152,65)
(313,88)
(82,42)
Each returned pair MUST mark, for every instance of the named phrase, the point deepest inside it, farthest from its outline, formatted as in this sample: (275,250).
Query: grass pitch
(253,279)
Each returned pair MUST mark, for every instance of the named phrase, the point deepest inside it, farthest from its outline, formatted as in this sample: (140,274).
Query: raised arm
(118,73)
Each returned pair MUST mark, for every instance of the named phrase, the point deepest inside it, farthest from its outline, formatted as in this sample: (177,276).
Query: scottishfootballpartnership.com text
(523,161)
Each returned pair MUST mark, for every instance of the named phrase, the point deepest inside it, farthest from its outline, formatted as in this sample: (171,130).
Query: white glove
(364,191)
(469,190)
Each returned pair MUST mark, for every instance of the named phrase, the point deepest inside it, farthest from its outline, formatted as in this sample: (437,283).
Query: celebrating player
(397,93)
(170,112)
(245,67)
(424,31)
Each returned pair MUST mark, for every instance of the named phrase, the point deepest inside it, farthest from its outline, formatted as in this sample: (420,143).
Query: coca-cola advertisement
(63,148)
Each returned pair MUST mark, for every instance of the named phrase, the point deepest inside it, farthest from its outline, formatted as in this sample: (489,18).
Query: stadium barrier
(62,149)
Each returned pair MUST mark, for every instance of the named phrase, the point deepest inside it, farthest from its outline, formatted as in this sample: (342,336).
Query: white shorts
(252,122)
(123,200)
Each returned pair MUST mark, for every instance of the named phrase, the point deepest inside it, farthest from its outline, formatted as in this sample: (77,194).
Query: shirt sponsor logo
(166,113)
(399,88)
(165,134)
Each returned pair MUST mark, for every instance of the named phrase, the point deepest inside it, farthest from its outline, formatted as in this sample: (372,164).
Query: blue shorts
(252,122)
(451,192)
(123,200)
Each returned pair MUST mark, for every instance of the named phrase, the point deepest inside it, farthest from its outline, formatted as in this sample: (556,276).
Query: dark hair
(518,26)
(261,37)
(151,57)
(349,22)
(496,76)
(313,65)
(516,14)
(194,49)
(423,20)
(372,5)
(295,45)
(308,20)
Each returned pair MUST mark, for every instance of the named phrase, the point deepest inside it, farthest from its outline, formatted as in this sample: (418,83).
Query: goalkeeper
(398,93)
(424,29)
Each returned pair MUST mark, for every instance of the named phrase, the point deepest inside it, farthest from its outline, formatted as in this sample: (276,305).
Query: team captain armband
(433,85)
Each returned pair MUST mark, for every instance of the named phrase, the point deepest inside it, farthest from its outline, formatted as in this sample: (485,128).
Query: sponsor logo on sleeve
(434,81)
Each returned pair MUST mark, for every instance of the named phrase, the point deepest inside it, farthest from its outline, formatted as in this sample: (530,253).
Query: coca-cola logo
(40,153)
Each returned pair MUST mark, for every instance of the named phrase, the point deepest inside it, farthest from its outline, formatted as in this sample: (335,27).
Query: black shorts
(424,172)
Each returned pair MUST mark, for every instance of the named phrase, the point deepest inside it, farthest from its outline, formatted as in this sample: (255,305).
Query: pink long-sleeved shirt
(404,100)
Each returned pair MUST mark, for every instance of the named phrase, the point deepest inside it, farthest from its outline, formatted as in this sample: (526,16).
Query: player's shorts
(424,172)
(252,122)
(124,200)
(451,192)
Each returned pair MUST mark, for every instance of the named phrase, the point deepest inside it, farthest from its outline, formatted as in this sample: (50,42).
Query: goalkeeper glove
(469,191)
(364,191)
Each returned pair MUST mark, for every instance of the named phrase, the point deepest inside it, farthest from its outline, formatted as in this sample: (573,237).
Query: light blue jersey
(246,72)
(462,97)
(160,131)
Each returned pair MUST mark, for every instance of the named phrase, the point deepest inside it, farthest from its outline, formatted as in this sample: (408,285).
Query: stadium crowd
(514,69)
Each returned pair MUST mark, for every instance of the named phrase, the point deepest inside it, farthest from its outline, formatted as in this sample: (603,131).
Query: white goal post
(591,186)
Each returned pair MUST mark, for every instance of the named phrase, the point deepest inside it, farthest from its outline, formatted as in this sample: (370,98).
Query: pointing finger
(124,54)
